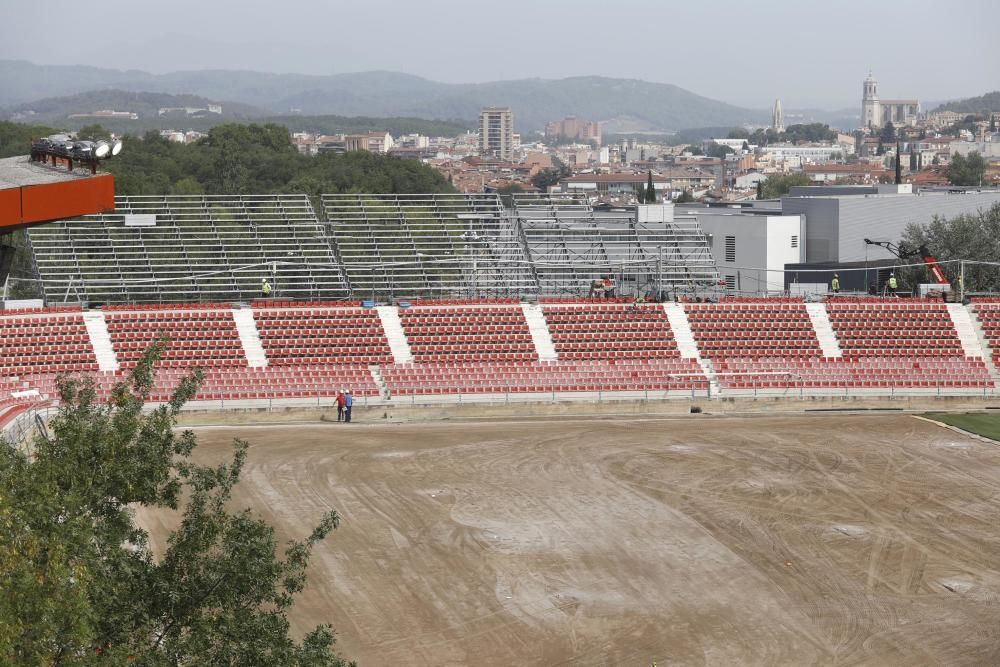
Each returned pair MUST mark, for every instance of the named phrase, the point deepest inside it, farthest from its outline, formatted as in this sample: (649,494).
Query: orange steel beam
(27,205)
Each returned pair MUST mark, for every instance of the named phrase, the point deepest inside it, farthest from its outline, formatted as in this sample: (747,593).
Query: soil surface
(696,541)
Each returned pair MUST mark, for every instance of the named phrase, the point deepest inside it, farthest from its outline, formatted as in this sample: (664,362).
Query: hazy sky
(806,52)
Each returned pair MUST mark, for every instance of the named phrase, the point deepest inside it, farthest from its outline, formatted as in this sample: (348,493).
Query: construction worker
(265,288)
(892,284)
(835,284)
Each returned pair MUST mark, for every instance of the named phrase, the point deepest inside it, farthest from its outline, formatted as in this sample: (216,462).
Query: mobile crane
(904,251)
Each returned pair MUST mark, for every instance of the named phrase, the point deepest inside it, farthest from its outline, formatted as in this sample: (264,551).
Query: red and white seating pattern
(234,383)
(444,334)
(988,312)
(894,328)
(328,335)
(197,337)
(610,331)
(862,373)
(547,376)
(317,350)
(33,342)
(753,330)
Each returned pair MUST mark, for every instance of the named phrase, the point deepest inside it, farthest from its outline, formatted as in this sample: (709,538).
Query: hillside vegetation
(987,102)
(645,105)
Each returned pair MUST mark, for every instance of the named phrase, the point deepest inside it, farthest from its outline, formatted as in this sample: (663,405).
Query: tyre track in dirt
(770,541)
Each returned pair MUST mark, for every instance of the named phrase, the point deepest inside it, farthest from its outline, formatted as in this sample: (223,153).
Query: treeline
(983,103)
(805,132)
(243,159)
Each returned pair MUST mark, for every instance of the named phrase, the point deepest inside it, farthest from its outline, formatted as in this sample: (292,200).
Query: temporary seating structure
(428,245)
(570,245)
(188,248)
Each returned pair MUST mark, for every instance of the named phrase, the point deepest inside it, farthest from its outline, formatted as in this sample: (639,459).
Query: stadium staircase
(539,332)
(249,338)
(393,328)
(100,339)
(986,324)
(686,344)
(824,330)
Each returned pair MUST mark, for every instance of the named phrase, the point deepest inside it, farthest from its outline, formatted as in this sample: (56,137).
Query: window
(730,248)
(795,240)
(730,282)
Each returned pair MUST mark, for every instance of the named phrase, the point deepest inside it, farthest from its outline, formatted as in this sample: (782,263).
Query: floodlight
(101,149)
(116,147)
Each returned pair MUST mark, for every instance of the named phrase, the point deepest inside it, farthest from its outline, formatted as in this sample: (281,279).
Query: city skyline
(748,57)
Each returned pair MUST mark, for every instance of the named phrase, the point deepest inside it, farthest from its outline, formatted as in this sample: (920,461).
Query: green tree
(888,134)
(717,150)
(686,197)
(546,178)
(778,185)
(899,164)
(970,236)
(80,583)
(650,190)
(760,189)
(93,132)
(967,170)
(15,138)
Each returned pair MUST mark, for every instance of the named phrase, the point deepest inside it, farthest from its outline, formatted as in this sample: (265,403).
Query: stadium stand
(321,335)
(610,331)
(873,327)
(544,377)
(569,245)
(772,328)
(471,332)
(988,311)
(44,341)
(428,245)
(188,248)
(197,336)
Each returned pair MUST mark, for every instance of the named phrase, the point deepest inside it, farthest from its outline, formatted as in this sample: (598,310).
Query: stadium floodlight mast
(69,148)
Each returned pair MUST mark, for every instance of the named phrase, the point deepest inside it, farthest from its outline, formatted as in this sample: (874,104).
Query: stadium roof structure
(32,193)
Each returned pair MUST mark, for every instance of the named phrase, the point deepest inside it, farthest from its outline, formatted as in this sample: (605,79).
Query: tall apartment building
(496,132)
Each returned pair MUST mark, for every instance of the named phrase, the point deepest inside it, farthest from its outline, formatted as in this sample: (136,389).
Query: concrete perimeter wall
(574,409)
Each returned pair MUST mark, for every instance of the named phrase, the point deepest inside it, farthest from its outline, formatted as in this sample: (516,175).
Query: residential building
(496,133)
(107,113)
(574,128)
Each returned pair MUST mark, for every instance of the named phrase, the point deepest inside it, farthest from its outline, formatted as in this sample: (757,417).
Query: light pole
(659,273)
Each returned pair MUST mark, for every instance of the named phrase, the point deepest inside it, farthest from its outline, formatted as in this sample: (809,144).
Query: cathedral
(876,113)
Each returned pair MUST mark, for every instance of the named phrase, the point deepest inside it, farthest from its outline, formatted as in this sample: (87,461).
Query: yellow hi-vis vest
(892,282)
(835,284)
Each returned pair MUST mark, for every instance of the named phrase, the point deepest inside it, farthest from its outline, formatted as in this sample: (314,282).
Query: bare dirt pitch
(698,541)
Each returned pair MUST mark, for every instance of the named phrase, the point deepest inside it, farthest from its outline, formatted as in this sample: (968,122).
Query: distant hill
(987,102)
(54,110)
(638,105)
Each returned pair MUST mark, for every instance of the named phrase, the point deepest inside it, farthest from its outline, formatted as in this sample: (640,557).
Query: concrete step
(825,334)
(97,330)
(376,372)
(539,330)
(970,332)
(687,345)
(393,328)
(250,337)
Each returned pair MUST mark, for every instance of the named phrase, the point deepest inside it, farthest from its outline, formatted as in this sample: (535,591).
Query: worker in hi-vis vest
(892,284)
(835,284)
(265,288)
